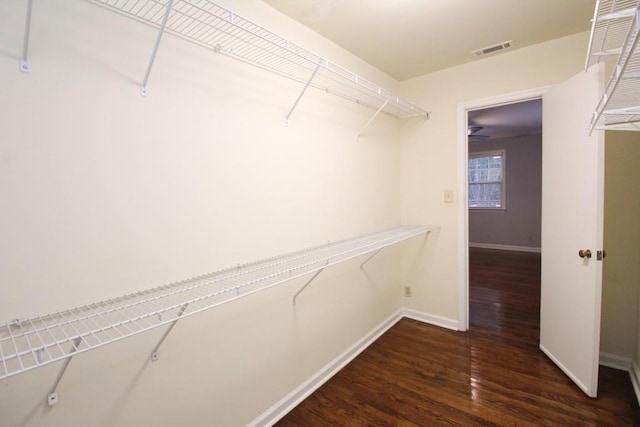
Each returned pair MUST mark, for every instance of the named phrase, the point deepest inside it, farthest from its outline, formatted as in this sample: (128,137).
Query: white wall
(621,268)
(519,224)
(105,192)
(429,153)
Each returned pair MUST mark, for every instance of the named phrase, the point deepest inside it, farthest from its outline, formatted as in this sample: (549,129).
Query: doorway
(464,112)
(505,216)
(572,219)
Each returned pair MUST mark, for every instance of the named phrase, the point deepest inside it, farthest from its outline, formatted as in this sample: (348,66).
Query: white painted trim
(505,247)
(304,390)
(462,177)
(624,364)
(431,319)
(634,373)
(463,218)
(567,372)
(616,362)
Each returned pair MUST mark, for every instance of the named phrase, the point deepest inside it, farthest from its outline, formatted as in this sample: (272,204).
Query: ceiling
(409,38)
(523,118)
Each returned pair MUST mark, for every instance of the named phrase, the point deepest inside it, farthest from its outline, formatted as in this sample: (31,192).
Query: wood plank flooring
(493,375)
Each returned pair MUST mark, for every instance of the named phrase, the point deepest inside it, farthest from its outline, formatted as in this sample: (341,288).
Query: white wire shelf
(615,32)
(27,344)
(209,25)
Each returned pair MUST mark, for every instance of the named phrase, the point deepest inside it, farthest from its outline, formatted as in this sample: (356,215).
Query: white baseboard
(634,373)
(505,247)
(304,390)
(431,319)
(624,364)
(615,362)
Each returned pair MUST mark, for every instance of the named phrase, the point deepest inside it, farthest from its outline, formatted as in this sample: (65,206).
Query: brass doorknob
(582,253)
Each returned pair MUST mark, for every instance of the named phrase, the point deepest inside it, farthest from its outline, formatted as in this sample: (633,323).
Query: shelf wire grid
(207,24)
(616,31)
(38,341)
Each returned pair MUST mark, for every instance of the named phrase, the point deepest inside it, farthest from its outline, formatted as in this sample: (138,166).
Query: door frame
(463,185)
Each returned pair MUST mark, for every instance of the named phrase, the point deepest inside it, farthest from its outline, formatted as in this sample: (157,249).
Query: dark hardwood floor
(494,374)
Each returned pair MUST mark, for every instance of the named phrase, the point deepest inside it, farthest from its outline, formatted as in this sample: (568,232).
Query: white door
(572,220)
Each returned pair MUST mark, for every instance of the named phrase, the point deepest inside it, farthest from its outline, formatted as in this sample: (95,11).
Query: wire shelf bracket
(52,396)
(317,273)
(154,353)
(24,64)
(369,259)
(306,86)
(616,31)
(163,26)
(364,128)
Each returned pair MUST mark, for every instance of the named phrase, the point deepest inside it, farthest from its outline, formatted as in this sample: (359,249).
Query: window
(487,180)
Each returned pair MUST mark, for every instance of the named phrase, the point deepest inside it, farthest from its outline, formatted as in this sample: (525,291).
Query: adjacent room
(335,212)
(505,159)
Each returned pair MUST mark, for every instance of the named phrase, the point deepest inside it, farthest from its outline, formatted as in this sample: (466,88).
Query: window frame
(503,188)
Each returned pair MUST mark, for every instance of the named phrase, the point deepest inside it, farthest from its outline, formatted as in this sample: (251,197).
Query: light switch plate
(448,196)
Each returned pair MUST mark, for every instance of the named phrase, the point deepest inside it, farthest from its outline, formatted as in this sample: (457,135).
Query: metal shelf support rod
(592,34)
(304,89)
(369,259)
(309,282)
(52,397)
(154,352)
(25,67)
(143,88)
(372,118)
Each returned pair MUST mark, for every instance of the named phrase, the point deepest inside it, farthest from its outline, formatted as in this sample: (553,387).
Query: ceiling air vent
(491,49)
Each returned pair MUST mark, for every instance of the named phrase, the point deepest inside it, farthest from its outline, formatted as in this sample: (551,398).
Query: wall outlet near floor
(407,291)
